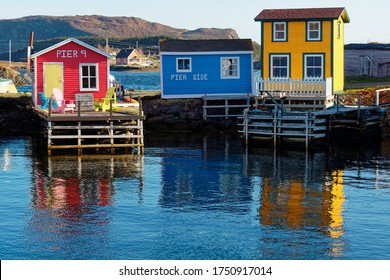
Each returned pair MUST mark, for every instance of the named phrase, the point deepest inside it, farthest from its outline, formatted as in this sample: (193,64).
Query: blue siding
(205,77)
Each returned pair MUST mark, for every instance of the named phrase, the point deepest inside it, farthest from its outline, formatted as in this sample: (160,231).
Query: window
(313,30)
(230,68)
(183,64)
(280,66)
(314,66)
(279,31)
(89,77)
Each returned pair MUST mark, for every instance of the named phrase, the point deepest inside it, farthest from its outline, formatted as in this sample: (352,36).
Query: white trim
(284,39)
(308,30)
(183,70)
(81,76)
(305,56)
(35,83)
(271,74)
(228,77)
(207,53)
(161,77)
(69,41)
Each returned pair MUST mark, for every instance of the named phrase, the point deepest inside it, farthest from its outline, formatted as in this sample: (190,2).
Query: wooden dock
(338,122)
(277,126)
(119,128)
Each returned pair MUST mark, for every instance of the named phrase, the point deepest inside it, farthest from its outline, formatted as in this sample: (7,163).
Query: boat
(7,86)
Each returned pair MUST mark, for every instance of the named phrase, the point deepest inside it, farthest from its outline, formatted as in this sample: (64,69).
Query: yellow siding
(338,54)
(296,46)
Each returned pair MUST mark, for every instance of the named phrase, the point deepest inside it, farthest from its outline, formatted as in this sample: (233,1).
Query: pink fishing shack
(72,66)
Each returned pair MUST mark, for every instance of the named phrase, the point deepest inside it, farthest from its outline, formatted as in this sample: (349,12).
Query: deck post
(50,106)
(79,150)
(226,108)
(275,113)
(307,130)
(79,108)
(246,120)
(139,105)
(112,136)
(49,131)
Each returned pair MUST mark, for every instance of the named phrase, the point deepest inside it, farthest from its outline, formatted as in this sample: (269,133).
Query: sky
(369,20)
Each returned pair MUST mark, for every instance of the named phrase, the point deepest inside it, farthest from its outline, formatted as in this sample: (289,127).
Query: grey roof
(214,45)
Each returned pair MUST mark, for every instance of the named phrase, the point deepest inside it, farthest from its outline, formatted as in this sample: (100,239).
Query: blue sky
(370,20)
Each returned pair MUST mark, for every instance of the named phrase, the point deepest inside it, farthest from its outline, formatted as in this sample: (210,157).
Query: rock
(9,73)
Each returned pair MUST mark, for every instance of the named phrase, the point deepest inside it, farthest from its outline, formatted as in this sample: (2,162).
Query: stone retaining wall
(181,115)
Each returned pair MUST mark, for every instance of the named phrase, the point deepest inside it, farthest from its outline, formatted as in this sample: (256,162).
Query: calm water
(195,197)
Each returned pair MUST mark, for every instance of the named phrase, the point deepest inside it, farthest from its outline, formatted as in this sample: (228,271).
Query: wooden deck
(337,122)
(119,128)
(302,95)
(277,126)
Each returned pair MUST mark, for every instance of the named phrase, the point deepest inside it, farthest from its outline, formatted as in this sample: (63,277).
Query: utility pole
(29,51)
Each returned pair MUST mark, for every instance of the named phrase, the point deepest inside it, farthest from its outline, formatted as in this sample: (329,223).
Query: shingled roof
(214,45)
(303,14)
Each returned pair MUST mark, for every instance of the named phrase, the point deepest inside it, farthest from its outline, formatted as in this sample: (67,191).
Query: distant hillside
(48,27)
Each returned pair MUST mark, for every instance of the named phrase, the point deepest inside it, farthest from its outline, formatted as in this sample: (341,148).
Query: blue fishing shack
(195,68)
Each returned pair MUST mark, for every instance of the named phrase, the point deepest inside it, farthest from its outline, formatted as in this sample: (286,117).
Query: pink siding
(71,55)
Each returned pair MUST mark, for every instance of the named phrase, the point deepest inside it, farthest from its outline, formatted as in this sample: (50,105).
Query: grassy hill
(94,28)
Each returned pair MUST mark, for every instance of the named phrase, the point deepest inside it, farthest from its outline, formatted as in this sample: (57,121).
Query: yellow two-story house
(303,44)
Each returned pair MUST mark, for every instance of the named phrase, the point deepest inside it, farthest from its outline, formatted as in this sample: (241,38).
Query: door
(52,78)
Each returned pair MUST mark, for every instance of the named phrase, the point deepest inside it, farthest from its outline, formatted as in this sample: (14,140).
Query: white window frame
(286,67)
(317,67)
(183,70)
(230,73)
(284,32)
(96,76)
(309,30)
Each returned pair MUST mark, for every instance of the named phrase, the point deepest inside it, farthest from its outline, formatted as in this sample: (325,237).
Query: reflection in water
(299,192)
(77,181)
(299,195)
(72,198)
(336,230)
(204,198)
(6,160)
(198,178)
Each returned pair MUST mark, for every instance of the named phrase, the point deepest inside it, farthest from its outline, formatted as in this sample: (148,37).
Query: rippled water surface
(195,197)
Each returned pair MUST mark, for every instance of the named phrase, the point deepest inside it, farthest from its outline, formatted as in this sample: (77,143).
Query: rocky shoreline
(17,116)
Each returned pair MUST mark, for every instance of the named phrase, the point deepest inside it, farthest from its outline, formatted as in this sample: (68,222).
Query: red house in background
(73,67)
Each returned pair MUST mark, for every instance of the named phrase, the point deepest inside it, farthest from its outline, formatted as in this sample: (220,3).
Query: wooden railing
(295,87)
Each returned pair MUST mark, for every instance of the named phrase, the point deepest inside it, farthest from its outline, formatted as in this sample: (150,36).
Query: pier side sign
(183,77)
(71,53)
